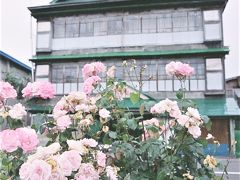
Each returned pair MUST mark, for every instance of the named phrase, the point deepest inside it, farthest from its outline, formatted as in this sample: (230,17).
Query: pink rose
(7,91)
(182,120)
(17,111)
(88,71)
(184,70)
(57,175)
(103,113)
(9,140)
(111,72)
(89,84)
(46,90)
(170,68)
(195,131)
(37,170)
(92,69)
(89,142)
(63,122)
(179,69)
(101,159)
(86,172)
(72,158)
(111,173)
(28,139)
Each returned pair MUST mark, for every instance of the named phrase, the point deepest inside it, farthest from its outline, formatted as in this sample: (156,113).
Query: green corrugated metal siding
(136,54)
(218,107)
(213,107)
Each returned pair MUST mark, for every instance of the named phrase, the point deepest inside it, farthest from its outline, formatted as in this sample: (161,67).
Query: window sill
(214,93)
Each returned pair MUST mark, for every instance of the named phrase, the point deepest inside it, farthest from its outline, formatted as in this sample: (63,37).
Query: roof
(212,107)
(218,107)
(135,54)
(15,61)
(64,7)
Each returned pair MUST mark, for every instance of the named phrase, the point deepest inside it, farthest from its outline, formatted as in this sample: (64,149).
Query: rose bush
(93,136)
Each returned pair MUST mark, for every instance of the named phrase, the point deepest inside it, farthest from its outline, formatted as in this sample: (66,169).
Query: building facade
(71,33)
(9,64)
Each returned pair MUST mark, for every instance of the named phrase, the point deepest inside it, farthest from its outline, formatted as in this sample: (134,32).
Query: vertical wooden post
(232,137)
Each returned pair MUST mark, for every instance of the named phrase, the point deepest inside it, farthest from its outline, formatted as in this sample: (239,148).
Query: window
(43,36)
(195,83)
(86,29)
(42,72)
(195,21)
(164,22)
(212,25)
(115,27)
(66,77)
(214,71)
(72,27)
(149,24)
(59,28)
(180,22)
(100,28)
(132,24)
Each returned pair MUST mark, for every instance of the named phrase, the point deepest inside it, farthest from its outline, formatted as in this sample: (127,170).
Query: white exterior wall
(128,40)
(231,29)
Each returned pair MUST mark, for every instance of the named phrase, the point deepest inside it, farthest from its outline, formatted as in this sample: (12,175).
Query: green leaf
(112,134)
(208,125)
(132,124)
(161,175)
(180,94)
(1,120)
(134,97)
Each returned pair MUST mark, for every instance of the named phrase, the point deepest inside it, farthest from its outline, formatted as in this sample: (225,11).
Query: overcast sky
(18,31)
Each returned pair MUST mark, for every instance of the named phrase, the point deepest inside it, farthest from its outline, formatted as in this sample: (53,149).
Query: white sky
(18,31)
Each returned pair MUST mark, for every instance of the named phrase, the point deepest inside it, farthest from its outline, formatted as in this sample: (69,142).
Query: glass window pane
(214,81)
(57,73)
(115,27)
(169,85)
(195,21)
(132,25)
(211,15)
(42,70)
(164,22)
(214,64)
(180,21)
(70,74)
(212,31)
(86,28)
(72,28)
(149,25)
(59,28)
(100,28)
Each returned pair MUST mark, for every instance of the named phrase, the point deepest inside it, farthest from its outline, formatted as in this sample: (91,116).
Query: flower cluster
(76,103)
(16,111)
(192,121)
(44,90)
(166,106)
(7,91)
(81,161)
(210,162)
(25,138)
(179,69)
(90,75)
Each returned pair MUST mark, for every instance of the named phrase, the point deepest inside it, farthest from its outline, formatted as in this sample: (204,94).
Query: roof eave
(105,6)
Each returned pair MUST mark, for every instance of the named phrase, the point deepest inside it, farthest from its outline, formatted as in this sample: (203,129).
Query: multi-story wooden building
(71,33)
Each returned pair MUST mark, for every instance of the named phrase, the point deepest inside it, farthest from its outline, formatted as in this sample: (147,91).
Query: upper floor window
(67,77)
(212,25)
(43,35)
(153,22)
